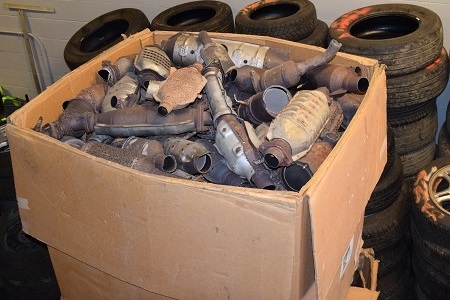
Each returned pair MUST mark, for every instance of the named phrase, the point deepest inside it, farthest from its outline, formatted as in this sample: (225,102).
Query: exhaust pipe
(77,119)
(264,106)
(140,120)
(192,157)
(124,157)
(338,79)
(288,74)
(296,175)
(152,149)
(184,49)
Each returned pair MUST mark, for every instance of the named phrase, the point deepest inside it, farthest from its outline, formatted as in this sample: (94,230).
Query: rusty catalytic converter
(152,149)
(94,95)
(184,49)
(77,119)
(232,140)
(288,74)
(180,89)
(296,175)
(151,64)
(122,94)
(338,79)
(192,157)
(124,157)
(144,120)
(112,73)
(264,106)
(294,130)
(219,172)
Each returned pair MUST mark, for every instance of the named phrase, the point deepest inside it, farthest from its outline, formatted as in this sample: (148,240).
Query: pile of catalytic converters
(215,110)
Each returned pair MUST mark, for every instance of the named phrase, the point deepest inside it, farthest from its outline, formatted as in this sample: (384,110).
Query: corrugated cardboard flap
(335,210)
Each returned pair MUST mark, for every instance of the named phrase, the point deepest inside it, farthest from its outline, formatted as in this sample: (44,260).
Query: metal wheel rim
(439,188)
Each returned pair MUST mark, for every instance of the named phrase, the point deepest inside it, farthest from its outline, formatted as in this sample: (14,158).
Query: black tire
(443,141)
(383,230)
(211,16)
(404,37)
(435,256)
(25,264)
(430,211)
(285,19)
(19,252)
(414,161)
(396,284)
(391,259)
(415,130)
(431,281)
(387,189)
(7,189)
(319,37)
(418,87)
(418,294)
(102,33)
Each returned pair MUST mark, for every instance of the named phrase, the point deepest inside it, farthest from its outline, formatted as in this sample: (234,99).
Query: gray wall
(54,30)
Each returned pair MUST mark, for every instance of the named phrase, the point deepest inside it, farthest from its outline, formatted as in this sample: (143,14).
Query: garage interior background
(55,29)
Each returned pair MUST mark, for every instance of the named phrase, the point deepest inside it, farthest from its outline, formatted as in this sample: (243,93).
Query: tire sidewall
(74,56)
(429,217)
(340,29)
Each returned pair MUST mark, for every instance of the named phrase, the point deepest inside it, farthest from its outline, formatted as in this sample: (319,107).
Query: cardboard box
(78,280)
(184,240)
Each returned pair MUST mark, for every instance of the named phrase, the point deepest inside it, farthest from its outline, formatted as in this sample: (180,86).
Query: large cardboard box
(189,240)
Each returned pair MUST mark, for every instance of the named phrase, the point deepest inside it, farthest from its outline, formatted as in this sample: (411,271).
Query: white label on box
(346,258)
(22,203)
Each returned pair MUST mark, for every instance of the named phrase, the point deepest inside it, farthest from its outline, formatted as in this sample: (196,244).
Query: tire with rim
(102,33)
(212,16)
(285,19)
(431,209)
(418,87)
(404,37)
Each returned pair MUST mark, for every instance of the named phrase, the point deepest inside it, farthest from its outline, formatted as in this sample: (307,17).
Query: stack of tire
(444,136)
(386,227)
(430,231)
(408,39)
(293,20)
(212,16)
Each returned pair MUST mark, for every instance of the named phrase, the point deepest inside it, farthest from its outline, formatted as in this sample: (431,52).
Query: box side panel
(341,188)
(162,234)
(355,293)
(78,280)
(303,278)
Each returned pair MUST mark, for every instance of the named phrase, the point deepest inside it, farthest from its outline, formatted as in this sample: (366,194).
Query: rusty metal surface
(181,88)
(227,118)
